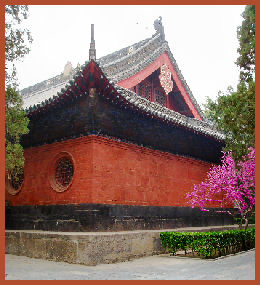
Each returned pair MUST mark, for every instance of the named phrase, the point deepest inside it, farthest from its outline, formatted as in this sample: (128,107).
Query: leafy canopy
(234,115)
(246,50)
(17,39)
(234,112)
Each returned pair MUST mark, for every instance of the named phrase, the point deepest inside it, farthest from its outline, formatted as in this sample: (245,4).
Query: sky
(202,39)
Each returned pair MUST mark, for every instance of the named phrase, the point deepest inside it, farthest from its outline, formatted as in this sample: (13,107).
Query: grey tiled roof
(129,64)
(116,67)
(42,95)
(107,63)
(113,57)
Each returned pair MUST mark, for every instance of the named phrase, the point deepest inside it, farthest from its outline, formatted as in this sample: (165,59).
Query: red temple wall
(128,174)
(109,172)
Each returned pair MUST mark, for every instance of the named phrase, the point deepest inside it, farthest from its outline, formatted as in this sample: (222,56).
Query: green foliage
(234,112)
(15,126)
(246,50)
(209,244)
(17,39)
(234,115)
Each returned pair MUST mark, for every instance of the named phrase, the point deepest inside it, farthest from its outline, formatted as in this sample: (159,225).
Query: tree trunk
(246,223)
(241,223)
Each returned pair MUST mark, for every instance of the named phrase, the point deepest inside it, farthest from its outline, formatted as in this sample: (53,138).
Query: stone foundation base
(89,248)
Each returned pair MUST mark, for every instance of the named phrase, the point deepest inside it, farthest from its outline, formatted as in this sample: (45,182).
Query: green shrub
(209,244)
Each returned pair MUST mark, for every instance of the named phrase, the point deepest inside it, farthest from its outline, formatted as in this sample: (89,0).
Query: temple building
(114,144)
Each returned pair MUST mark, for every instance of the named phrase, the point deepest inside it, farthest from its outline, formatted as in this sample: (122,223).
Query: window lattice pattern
(159,97)
(145,90)
(16,180)
(64,172)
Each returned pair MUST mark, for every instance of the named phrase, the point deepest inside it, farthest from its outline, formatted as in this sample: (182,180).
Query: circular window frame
(10,189)
(56,186)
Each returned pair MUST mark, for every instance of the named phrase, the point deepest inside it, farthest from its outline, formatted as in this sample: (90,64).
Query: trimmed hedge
(209,244)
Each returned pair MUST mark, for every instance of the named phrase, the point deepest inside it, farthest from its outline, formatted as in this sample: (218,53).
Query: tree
(234,112)
(228,184)
(246,50)
(17,39)
(15,126)
(233,182)
(234,115)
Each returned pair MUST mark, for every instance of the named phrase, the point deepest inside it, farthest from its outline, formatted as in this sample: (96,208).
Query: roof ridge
(25,96)
(47,83)
(148,41)
(139,64)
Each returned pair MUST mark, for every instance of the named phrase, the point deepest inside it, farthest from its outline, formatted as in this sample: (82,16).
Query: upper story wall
(150,88)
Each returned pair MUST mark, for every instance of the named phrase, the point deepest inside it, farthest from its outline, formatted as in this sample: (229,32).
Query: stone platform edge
(92,248)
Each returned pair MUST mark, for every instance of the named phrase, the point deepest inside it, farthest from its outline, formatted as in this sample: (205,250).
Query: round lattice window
(62,171)
(14,182)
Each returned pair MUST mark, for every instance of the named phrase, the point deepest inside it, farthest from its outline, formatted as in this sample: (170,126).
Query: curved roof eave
(166,114)
(143,105)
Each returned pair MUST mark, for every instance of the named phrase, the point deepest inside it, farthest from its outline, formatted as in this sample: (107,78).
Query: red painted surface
(109,172)
(162,59)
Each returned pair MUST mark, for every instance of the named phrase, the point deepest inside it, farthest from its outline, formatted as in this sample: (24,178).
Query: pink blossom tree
(228,184)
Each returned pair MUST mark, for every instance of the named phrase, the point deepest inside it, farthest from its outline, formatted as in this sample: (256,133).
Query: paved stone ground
(240,266)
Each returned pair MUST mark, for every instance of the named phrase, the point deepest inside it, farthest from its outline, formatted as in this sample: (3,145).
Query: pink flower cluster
(227,184)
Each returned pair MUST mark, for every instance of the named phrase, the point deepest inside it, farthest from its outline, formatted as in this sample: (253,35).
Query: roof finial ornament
(158,26)
(92,50)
